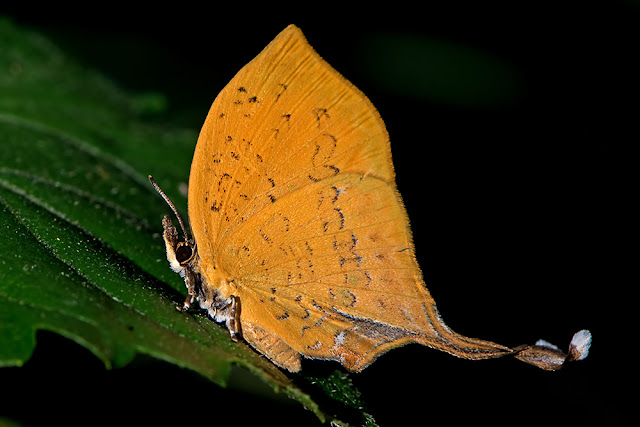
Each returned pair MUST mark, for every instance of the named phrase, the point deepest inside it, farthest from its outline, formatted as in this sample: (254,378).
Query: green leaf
(81,251)
(338,386)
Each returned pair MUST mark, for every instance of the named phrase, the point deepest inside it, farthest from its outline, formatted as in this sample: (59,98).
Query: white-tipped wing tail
(580,345)
(547,356)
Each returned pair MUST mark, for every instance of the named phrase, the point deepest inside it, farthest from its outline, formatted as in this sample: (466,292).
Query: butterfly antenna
(171,205)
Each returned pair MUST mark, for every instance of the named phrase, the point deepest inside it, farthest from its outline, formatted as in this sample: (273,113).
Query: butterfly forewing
(299,207)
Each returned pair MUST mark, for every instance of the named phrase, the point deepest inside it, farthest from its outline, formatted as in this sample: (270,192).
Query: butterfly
(301,244)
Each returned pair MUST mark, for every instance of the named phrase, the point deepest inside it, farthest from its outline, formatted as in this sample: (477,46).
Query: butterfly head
(180,253)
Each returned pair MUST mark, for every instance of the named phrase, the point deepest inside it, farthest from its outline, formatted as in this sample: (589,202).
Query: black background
(519,211)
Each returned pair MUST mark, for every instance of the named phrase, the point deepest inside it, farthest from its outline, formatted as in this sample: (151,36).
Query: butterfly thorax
(214,288)
(213,291)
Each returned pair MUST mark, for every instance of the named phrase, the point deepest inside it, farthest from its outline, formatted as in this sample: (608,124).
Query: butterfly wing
(292,200)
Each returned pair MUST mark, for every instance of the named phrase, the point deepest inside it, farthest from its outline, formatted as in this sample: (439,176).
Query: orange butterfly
(301,242)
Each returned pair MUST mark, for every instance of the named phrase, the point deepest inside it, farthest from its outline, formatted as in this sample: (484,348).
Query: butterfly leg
(187,303)
(189,281)
(225,310)
(232,322)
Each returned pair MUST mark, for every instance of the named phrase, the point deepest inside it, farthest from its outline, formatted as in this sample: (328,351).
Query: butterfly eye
(184,252)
